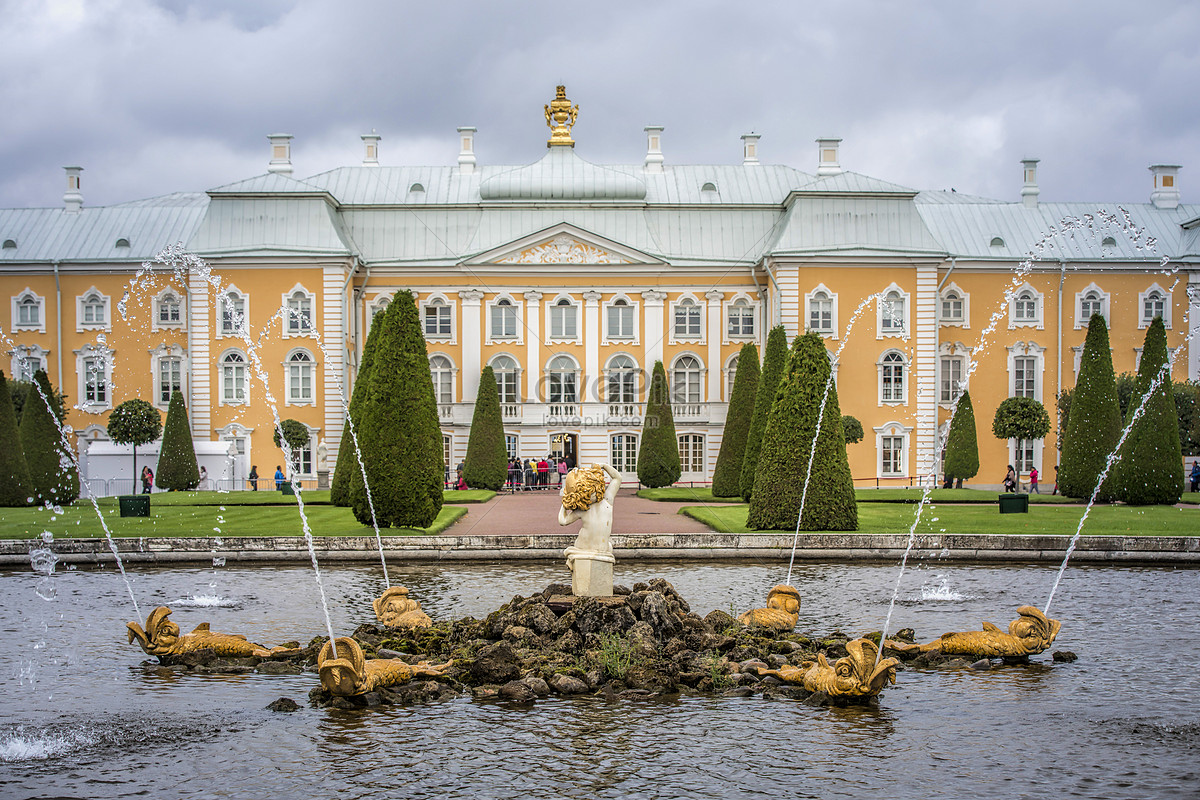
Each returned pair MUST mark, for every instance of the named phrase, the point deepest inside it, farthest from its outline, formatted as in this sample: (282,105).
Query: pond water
(82,719)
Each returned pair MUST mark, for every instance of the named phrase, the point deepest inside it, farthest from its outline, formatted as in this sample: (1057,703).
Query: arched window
(892,313)
(300,377)
(564,322)
(1091,303)
(1025,306)
(685,380)
(622,384)
(29,312)
(730,377)
(741,318)
(170,311)
(381,305)
(820,312)
(437,318)
(561,378)
(891,378)
(952,306)
(1153,305)
(504,319)
(233,378)
(300,313)
(507,379)
(233,312)
(687,318)
(620,319)
(95,309)
(442,372)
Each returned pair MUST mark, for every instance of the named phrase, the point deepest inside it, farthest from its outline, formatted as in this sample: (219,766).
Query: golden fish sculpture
(1029,634)
(855,676)
(396,609)
(781,613)
(161,638)
(350,673)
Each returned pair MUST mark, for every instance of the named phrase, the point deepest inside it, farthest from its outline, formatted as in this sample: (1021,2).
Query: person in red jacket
(543,472)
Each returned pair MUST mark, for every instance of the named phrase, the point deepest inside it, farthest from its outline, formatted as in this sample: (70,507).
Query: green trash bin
(286,488)
(1014,504)
(134,505)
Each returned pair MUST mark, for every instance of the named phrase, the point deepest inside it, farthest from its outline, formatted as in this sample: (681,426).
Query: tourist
(543,472)
(562,470)
(529,474)
(253,478)
(147,479)
(1033,479)
(1010,480)
(1195,476)
(203,479)
(278,478)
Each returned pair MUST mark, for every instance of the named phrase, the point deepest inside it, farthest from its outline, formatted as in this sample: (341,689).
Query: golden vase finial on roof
(560,118)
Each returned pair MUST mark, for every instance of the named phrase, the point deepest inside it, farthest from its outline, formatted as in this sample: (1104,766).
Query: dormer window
(416,191)
(1108,241)
(997,242)
(10,244)
(122,243)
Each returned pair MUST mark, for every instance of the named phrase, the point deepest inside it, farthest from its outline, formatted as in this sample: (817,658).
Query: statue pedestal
(323,479)
(591,574)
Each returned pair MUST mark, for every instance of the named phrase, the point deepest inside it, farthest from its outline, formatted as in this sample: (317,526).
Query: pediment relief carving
(564,249)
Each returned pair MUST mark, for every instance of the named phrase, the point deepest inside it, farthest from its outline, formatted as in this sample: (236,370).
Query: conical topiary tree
(1150,471)
(400,437)
(15,488)
(774,360)
(962,443)
(177,467)
(347,457)
(53,476)
(486,464)
(134,422)
(658,454)
(1093,421)
(727,475)
(790,437)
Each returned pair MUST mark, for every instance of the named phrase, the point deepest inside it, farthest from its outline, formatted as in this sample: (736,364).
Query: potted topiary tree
(296,435)
(1020,418)
(134,422)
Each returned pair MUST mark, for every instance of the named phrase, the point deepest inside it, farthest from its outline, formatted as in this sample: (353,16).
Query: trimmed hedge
(347,457)
(1094,421)
(53,475)
(962,443)
(727,475)
(774,360)
(15,486)
(177,467)
(486,464)
(790,437)
(658,453)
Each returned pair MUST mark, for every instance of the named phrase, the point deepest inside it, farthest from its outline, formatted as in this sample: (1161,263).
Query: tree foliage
(1093,424)
(21,390)
(727,474)
(400,436)
(852,428)
(14,472)
(295,433)
(962,443)
(177,467)
(1021,418)
(774,359)
(658,453)
(53,475)
(486,464)
(791,435)
(347,457)
(1150,470)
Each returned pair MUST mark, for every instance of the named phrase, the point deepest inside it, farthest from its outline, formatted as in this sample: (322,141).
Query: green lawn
(312,497)
(684,494)
(203,519)
(1045,519)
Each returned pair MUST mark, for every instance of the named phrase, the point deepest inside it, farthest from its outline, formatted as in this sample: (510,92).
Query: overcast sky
(158,96)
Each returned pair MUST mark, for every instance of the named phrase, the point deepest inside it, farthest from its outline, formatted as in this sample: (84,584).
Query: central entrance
(565,445)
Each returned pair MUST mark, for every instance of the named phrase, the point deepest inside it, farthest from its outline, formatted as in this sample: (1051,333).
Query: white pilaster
(591,347)
(533,344)
(333,336)
(713,333)
(924,318)
(652,333)
(200,358)
(472,340)
(1193,321)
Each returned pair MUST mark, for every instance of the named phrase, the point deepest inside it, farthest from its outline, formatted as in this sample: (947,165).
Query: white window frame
(696,449)
(729,375)
(605,333)
(300,365)
(822,290)
(1137,358)
(156,307)
(24,356)
(377,305)
(82,357)
(950,386)
(1037,445)
(84,300)
(1024,293)
(893,430)
(452,368)
(611,375)
(1081,319)
(168,352)
(886,360)
(305,453)
(962,354)
(1143,320)
(691,305)
(244,380)
(504,372)
(300,295)
(963,321)
(518,315)
(440,301)
(882,305)
(1027,350)
(746,306)
(27,294)
(221,333)
(577,385)
(700,376)
(631,441)
(572,305)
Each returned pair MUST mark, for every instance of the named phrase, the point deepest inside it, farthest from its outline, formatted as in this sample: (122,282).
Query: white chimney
(827,157)
(1166,187)
(371,148)
(750,148)
(1030,191)
(654,154)
(281,153)
(466,156)
(73,198)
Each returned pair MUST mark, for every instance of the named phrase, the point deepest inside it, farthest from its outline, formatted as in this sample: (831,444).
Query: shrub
(790,437)
(53,475)
(347,457)
(962,443)
(658,453)
(14,472)
(399,435)
(486,464)
(727,474)
(1093,424)
(852,428)
(177,467)
(1150,471)
(134,422)
(774,359)
(295,433)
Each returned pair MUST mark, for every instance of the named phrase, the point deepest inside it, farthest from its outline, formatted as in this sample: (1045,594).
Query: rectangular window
(952,373)
(741,320)
(95,388)
(820,314)
(447,447)
(563,322)
(93,312)
(1024,377)
(620,322)
(437,320)
(506,384)
(28,313)
(300,383)
(624,452)
(562,387)
(1152,307)
(168,311)
(891,453)
(170,378)
(299,314)
(302,460)
(511,440)
(1023,455)
(233,313)
(687,320)
(691,452)
(952,308)
(504,321)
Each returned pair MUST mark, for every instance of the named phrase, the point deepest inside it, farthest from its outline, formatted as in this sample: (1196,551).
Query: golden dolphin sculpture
(396,609)
(855,676)
(781,613)
(350,673)
(1029,634)
(161,638)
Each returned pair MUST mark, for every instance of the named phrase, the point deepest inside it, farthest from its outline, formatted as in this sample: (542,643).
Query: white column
(713,334)
(333,337)
(533,345)
(652,331)
(472,342)
(924,321)
(591,347)
(1193,320)
(200,359)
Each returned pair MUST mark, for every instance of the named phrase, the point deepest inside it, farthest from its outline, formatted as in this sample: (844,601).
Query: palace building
(571,279)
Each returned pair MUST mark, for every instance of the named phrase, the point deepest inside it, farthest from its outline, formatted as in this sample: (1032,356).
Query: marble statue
(161,638)
(395,609)
(590,559)
(351,673)
(855,676)
(781,613)
(1029,634)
